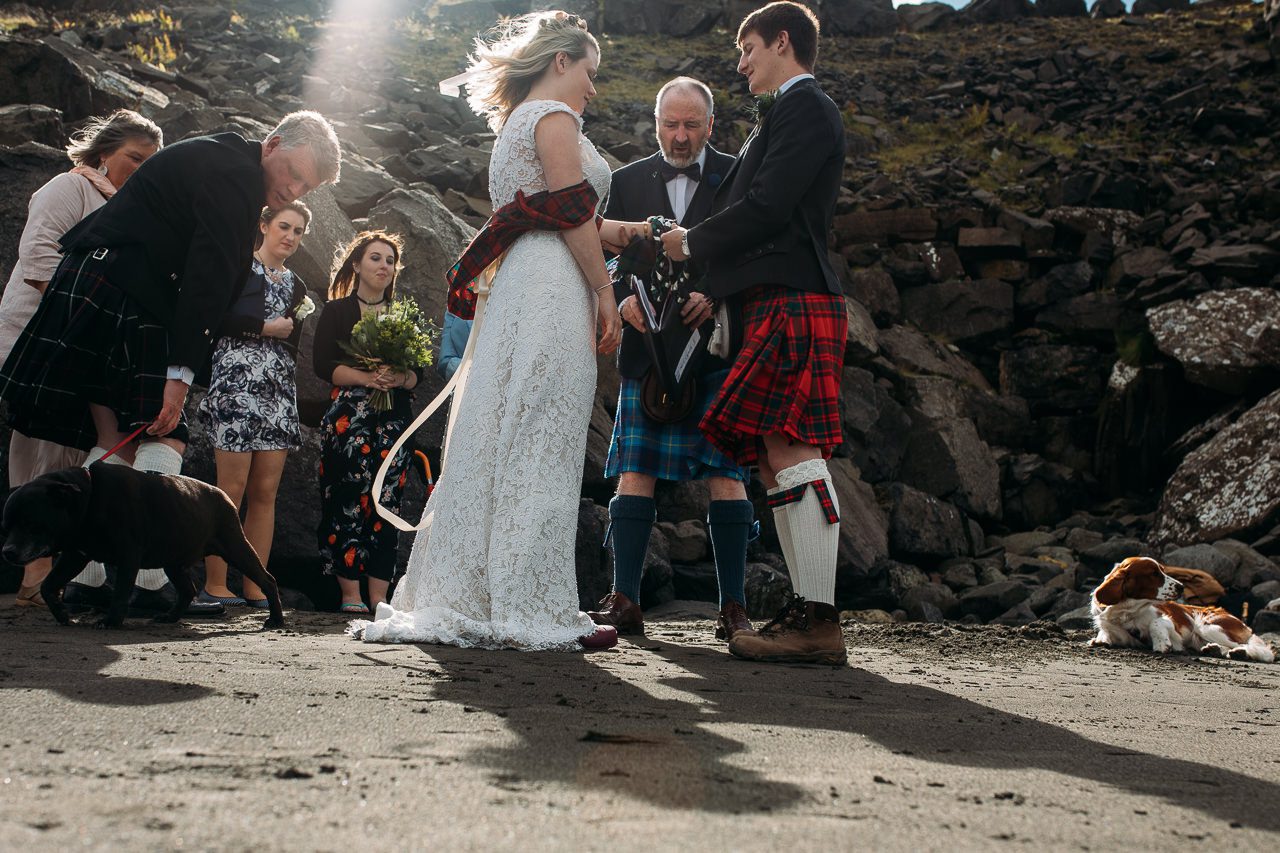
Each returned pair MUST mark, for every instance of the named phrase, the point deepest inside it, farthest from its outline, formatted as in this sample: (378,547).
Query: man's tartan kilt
(88,342)
(678,451)
(786,378)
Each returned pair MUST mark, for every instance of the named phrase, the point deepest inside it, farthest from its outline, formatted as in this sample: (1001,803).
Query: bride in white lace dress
(495,567)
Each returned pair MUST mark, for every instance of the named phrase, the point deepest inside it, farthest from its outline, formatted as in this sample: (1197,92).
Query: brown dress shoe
(802,632)
(732,621)
(620,612)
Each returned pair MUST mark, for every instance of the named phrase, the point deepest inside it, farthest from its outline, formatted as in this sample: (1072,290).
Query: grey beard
(681,162)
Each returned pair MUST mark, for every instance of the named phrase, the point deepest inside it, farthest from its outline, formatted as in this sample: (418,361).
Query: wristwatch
(684,243)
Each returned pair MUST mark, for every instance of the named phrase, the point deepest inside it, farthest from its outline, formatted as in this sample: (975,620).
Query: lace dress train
(495,567)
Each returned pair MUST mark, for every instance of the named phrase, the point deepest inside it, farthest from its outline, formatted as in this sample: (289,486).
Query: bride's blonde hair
(511,57)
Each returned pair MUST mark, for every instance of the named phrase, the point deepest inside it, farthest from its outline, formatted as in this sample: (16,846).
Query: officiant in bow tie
(676,183)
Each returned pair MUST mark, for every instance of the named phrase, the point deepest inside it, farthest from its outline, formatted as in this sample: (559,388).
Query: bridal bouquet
(398,339)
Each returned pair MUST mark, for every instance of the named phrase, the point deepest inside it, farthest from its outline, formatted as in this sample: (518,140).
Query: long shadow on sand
(581,724)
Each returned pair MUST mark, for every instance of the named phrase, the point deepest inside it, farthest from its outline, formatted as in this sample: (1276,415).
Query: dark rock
(873,289)
(864,529)
(1067,602)
(1225,340)
(1054,375)
(20,123)
(1134,427)
(858,17)
(1093,318)
(876,427)
(912,352)
(924,17)
(1253,567)
(657,586)
(1037,491)
(1108,9)
(67,78)
(1266,622)
(929,602)
(1229,486)
(860,338)
(947,459)
(686,541)
(23,170)
(1061,8)
(1020,614)
(1206,558)
(767,590)
(1247,264)
(920,525)
(967,312)
(662,17)
(1263,594)
(1154,7)
(695,582)
(363,184)
(1082,617)
(912,225)
(996,11)
(594,561)
(1043,598)
(960,575)
(989,601)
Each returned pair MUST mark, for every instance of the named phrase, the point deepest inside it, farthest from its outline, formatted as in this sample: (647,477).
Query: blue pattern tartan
(676,451)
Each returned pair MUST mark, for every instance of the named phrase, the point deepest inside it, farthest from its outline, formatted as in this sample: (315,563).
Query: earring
(103,170)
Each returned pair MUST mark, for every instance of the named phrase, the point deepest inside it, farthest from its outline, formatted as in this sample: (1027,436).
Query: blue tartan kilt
(88,342)
(667,451)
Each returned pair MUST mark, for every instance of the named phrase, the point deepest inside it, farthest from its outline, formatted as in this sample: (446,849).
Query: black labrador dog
(132,520)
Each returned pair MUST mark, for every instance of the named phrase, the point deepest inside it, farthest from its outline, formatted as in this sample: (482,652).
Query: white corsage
(305,309)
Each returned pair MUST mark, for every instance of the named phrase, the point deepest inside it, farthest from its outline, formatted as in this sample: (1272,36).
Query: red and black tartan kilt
(88,342)
(786,378)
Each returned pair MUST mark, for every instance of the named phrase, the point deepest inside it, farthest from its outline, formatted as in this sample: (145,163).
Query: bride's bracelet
(603,286)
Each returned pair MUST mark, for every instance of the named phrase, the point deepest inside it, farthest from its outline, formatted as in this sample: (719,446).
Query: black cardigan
(337,319)
(246,316)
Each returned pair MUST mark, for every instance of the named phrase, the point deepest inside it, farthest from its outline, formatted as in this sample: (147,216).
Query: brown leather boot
(802,632)
(620,612)
(732,621)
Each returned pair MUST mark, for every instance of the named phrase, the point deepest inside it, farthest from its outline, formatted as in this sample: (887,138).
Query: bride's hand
(608,324)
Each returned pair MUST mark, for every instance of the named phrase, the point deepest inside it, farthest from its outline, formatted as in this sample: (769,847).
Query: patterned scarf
(99,180)
(561,210)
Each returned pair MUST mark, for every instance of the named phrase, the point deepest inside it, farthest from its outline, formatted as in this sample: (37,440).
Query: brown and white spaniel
(1134,605)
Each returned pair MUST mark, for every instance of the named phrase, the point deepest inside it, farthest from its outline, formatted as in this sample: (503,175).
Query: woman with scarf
(105,152)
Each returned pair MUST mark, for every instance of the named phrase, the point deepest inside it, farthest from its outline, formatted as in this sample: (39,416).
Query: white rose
(306,309)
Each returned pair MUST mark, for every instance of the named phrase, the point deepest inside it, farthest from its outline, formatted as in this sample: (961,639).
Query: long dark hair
(345,261)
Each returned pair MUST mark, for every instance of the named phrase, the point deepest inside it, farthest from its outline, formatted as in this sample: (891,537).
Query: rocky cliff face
(1061,236)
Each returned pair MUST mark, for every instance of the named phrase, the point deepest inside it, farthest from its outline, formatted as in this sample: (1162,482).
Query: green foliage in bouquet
(398,339)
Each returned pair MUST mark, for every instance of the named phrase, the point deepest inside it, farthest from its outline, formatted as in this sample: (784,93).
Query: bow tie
(693,171)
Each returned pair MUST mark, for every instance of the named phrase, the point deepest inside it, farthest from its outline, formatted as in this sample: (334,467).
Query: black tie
(693,171)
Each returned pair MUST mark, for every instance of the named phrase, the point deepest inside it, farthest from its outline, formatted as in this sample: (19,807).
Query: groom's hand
(671,244)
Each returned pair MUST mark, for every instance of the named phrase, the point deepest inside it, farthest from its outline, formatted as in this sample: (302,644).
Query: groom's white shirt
(794,80)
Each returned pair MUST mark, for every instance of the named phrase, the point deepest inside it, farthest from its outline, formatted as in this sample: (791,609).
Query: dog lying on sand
(1134,606)
(132,520)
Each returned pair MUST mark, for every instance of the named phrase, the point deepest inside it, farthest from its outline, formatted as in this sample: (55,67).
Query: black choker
(374,302)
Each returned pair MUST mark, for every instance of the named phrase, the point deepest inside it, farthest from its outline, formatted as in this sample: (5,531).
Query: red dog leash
(130,437)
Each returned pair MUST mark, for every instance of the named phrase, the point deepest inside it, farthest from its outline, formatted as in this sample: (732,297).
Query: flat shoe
(227,600)
(260,603)
(603,637)
(29,596)
(352,607)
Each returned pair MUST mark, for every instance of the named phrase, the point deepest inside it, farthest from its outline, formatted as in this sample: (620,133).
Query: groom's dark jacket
(770,220)
(636,192)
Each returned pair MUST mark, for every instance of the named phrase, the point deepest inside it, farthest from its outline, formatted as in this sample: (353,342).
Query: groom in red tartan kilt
(765,245)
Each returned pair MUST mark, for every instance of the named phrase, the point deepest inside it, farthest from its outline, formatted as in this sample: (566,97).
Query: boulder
(594,561)
(1108,9)
(989,601)
(662,17)
(1061,8)
(875,425)
(873,288)
(1205,558)
(996,11)
(1227,487)
(864,529)
(23,170)
(1225,340)
(1155,7)
(918,601)
(913,352)
(924,17)
(1079,619)
(905,224)
(1134,424)
(1036,491)
(60,75)
(947,459)
(20,123)
(1248,263)
(767,589)
(858,17)
(363,184)
(920,525)
(1271,18)
(966,312)
(1020,614)
(1055,376)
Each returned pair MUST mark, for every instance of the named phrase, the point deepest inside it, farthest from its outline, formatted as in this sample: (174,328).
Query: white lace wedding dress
(495,567)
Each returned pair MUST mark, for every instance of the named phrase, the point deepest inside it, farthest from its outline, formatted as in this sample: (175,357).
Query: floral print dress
(252,403)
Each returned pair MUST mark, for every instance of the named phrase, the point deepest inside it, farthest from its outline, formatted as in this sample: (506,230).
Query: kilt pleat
(676,451)
(786,378)
(88,342)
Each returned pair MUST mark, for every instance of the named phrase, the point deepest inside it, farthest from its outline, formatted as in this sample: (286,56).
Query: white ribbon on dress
(454,387)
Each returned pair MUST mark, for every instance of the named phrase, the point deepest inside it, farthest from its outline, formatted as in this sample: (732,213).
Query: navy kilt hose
(88,342)
(676,451)
(786,378)
(354,440)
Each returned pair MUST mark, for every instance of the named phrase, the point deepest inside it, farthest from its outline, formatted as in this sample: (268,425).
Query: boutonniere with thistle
(763,104)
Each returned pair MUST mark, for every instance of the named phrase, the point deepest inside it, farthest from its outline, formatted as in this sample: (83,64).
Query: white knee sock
(784,532)
(814,538)
(95,574)
(158,458)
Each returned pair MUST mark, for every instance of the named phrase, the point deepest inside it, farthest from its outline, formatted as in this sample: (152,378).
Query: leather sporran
(664,408)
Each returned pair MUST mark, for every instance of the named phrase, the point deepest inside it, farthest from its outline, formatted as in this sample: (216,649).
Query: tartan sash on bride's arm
(560,210)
